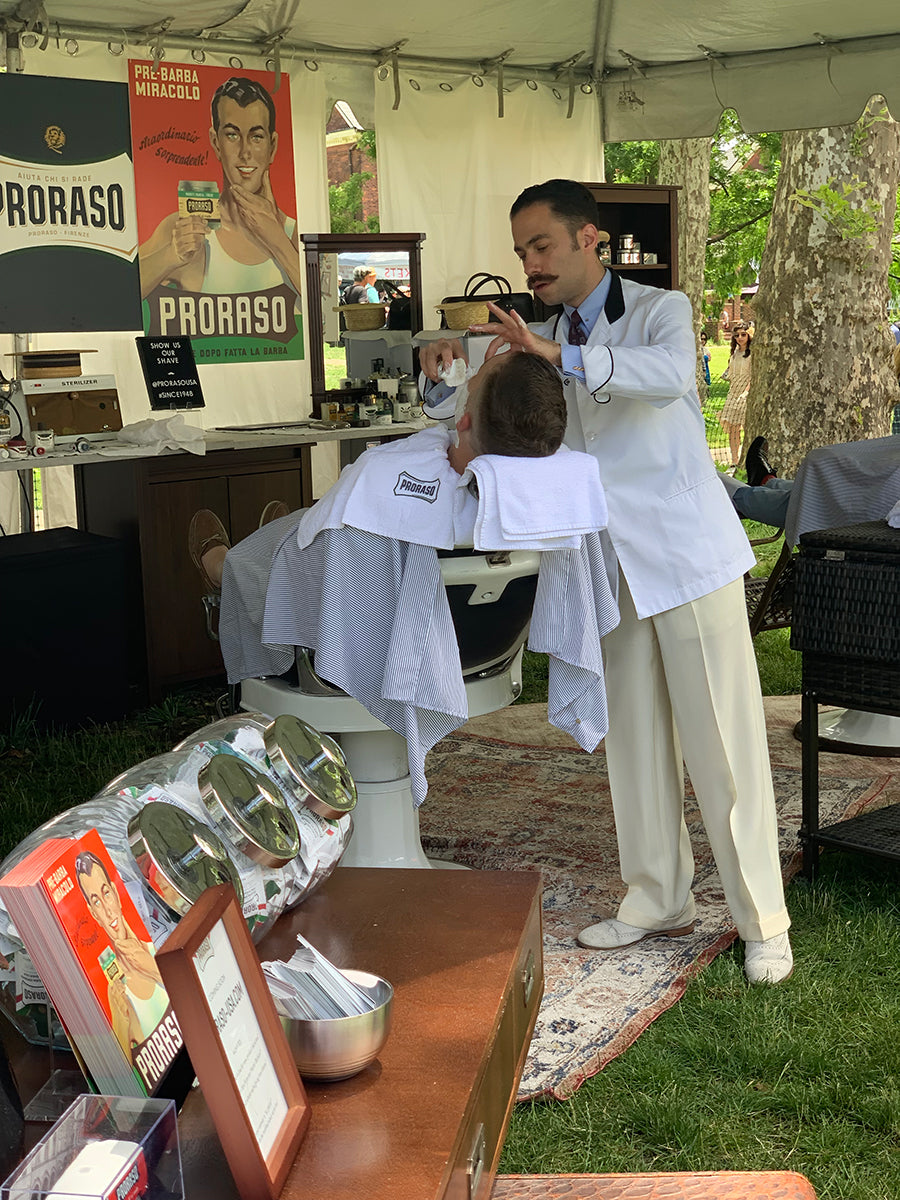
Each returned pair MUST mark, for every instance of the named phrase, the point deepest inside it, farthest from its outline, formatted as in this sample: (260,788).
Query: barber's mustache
(533,279)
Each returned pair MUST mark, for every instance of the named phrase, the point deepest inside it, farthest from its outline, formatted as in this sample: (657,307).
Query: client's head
(515,407)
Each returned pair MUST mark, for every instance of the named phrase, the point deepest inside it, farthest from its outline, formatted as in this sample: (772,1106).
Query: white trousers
(685,683)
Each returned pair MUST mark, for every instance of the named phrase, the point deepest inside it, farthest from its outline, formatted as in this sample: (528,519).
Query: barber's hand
(444,350)
(511,331)
(188,238)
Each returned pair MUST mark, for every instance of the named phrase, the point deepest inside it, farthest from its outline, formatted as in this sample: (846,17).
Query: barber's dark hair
(243,92)
(566,199)
(84,864)
(520,409)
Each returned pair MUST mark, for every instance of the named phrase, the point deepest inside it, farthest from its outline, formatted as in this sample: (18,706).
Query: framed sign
(236,1043)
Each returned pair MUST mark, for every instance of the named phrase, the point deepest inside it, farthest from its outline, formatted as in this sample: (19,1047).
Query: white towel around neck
(405,490)
(537,503)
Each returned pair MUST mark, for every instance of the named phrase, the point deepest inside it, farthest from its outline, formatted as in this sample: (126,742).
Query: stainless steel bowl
(338,1048)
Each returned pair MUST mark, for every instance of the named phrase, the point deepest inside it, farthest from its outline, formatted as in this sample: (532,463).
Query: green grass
(46,772)
(800,1077)
(335,365)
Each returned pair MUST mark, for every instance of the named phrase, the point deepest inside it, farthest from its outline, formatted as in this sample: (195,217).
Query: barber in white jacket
(681,675)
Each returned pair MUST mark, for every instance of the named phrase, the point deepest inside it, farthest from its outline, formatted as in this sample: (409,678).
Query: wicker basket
(848,580)
(460,314)
(358,317)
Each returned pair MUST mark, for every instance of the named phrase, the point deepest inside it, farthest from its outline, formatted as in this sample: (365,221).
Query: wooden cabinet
(148,503)
(427,1119)
(650,214)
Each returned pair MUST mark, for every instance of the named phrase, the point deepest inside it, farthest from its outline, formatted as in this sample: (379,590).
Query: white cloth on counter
(893,517)
(154,436)
(537,503)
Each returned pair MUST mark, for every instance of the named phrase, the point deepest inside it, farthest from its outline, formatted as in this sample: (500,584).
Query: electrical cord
(18,418)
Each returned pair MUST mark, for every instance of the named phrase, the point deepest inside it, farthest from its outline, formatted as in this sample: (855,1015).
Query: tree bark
(685,161)
(822,347)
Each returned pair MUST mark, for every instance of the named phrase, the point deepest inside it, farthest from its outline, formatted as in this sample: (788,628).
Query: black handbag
(502,295)
(399,307)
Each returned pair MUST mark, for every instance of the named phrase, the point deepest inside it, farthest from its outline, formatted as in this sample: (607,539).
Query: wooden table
(426,1121)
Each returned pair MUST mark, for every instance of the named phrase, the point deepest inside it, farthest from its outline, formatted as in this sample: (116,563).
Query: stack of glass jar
(262,804)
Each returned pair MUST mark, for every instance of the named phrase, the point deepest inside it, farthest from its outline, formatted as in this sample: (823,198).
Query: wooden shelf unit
(650,213)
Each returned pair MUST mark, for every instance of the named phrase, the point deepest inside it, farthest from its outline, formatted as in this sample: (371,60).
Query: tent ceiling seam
(593,73)
(885,41)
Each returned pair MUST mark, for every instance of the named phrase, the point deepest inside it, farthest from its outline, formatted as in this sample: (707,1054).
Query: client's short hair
(521,408)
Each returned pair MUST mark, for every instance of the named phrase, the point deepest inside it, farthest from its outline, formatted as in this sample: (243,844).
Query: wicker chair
(770,598)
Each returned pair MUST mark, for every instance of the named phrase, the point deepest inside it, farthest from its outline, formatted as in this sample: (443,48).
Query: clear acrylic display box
(104,1148)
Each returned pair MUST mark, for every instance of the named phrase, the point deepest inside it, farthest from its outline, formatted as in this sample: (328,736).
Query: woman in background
(737,373)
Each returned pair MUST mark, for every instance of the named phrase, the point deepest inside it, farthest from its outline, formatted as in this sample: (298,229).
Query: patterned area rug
(497,805)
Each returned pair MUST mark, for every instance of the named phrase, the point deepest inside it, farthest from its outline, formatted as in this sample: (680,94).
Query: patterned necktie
(577,331)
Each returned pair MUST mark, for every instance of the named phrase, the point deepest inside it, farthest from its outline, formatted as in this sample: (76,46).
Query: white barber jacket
(675,532)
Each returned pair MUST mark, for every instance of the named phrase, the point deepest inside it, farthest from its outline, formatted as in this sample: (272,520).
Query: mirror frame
(316,245)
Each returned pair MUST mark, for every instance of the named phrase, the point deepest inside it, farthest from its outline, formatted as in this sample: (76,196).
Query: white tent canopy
(660,69)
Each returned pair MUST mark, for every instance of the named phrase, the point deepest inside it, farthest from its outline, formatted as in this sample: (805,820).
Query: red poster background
(252,309)
(170,135)
(88,939)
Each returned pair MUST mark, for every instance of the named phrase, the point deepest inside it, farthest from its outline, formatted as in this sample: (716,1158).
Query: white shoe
(770,961)
(613,934)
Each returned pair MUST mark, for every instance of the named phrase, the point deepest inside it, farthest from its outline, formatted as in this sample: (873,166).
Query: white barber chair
(491,597)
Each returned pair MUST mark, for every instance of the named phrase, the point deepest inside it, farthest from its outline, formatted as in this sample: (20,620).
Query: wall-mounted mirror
(330,259)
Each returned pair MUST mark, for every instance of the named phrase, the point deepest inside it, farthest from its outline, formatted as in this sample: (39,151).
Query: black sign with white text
(170,372)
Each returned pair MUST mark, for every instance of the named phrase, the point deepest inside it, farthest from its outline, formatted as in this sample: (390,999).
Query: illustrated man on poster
(253,246)
(137,997)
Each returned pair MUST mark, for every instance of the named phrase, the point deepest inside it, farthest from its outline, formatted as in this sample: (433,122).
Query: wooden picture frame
(236,1043)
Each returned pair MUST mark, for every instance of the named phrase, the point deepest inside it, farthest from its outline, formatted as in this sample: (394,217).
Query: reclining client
(356,578)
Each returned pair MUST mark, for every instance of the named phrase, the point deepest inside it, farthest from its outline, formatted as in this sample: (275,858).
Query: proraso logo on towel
(422,489)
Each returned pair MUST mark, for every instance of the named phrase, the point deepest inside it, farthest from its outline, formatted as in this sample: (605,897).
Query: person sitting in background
(363,290)
(764,497)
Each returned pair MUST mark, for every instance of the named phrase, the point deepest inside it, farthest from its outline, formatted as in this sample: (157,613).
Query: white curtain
(450,167)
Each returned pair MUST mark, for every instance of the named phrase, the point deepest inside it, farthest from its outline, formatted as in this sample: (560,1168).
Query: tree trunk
(685,161)
(822,348)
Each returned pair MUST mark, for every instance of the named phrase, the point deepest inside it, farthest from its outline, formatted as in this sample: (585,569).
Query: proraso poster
(216,210)
(68,233)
